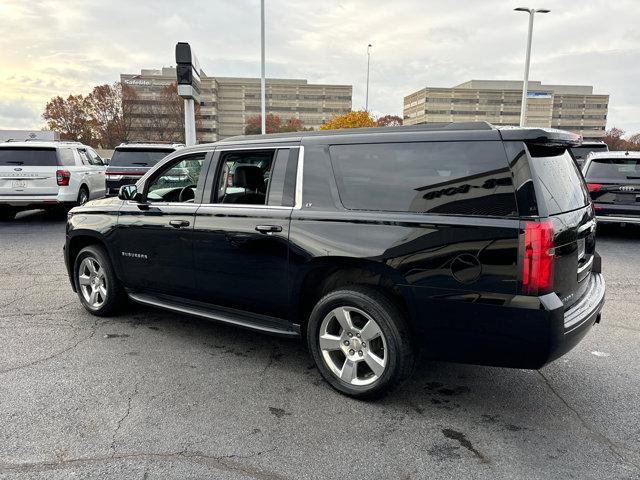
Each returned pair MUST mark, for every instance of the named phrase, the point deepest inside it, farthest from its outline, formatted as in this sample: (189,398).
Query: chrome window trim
(299,176)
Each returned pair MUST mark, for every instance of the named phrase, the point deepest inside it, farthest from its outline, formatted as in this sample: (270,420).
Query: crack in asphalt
(122,419)
(611,445)
(92,332)
(227,463)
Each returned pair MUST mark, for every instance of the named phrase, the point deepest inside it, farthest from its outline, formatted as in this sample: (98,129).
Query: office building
(226,103)
(568,107)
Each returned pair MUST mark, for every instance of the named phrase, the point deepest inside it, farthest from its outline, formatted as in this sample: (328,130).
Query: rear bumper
(23,202)
(618,219)
(520,332)
(617,213)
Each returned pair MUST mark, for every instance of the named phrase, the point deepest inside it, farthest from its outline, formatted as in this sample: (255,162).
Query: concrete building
(568,107)
(226,103)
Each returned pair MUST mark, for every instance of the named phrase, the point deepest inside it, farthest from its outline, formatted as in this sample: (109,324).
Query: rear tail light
(594,187)
(537,274)
(63,177)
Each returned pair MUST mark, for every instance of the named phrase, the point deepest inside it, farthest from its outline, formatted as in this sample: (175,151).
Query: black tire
(7,214)
(83,195)
(115,297)
(399,352)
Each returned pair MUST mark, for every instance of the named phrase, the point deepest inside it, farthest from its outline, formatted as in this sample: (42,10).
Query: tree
(389,121)
(273,124)
(356,119)
(614,138)
(107,112)
(71,118)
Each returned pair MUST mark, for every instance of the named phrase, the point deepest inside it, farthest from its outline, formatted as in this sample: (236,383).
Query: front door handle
(268,228)
(179,223)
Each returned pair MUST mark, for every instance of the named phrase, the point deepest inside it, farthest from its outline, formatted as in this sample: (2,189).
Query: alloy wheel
(92,282)
(353,346)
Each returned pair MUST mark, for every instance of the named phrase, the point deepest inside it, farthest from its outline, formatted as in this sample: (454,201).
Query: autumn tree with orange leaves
(357,119)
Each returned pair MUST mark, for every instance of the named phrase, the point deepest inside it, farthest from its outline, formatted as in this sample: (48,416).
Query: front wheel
(99,289)
(360,342)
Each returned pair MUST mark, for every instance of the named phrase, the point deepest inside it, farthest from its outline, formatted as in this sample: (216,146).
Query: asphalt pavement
(156,395)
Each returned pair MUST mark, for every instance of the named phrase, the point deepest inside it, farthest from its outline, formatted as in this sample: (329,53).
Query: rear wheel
(99,290)
(83,195)
(360,342)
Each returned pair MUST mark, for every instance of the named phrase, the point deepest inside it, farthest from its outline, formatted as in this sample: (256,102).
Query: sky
(52,47)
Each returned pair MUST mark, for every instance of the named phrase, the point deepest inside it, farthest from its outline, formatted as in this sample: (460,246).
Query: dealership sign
(146,83)
(539,95)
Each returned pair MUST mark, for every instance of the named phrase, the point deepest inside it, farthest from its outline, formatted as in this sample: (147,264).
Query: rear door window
(66,157)
(558,179)
(137,157)
(28,157)
(614,169)
(459,178)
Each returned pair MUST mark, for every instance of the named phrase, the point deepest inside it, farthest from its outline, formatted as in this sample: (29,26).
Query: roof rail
(155,142)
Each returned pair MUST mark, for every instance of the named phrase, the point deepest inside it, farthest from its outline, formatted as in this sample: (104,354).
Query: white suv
(49,175)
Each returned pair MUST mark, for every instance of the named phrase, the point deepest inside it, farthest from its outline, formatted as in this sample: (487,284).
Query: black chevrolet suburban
(460,242)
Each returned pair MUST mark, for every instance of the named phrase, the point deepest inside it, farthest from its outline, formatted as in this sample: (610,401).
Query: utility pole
(263,94)
(527,61)
(366,99)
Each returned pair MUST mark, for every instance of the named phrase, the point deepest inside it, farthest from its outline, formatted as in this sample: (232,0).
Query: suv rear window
(463,178)
(137,157)
(614,169)
(29,157)
(558,179)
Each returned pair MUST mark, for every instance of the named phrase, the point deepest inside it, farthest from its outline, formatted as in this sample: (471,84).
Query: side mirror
(129,192)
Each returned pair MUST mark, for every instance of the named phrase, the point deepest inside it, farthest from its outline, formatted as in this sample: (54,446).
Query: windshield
(582,152)
(137,157)
(28,157)
(614,169)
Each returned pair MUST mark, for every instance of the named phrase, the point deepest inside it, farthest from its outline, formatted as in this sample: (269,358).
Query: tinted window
(467,178)
(66,157)
(29,157)
(614,169)
(276,179)
(84,157)
(94,158)
(136,157)
(558,179)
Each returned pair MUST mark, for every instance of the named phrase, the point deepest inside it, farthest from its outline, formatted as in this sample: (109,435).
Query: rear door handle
(179,223)
(268,228)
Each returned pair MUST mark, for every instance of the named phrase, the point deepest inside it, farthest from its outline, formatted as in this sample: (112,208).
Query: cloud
(64,46)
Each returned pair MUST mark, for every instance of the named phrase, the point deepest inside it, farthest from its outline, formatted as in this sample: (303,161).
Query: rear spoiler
(541,136)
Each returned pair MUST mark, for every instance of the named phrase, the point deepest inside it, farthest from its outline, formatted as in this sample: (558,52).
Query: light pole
(527,62)
(263,95)
(366,98)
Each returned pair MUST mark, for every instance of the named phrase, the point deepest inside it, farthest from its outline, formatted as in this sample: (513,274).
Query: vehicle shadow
(616,232)
(37,216)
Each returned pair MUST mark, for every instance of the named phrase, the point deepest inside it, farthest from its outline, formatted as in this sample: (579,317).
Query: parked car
(132,160)
(581,152)
(53,175)
(461,242)
(613,180)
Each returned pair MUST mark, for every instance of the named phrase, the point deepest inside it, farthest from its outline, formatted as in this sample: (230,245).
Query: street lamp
(366,99)
(263,95)
(531,12)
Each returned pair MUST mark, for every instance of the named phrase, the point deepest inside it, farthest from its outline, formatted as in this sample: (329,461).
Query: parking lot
(155,395)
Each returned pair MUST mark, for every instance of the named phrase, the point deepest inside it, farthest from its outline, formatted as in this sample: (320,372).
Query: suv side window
(84,157)
(459,178)
(177,181)
(66,157)
(245,177)
(94,158)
